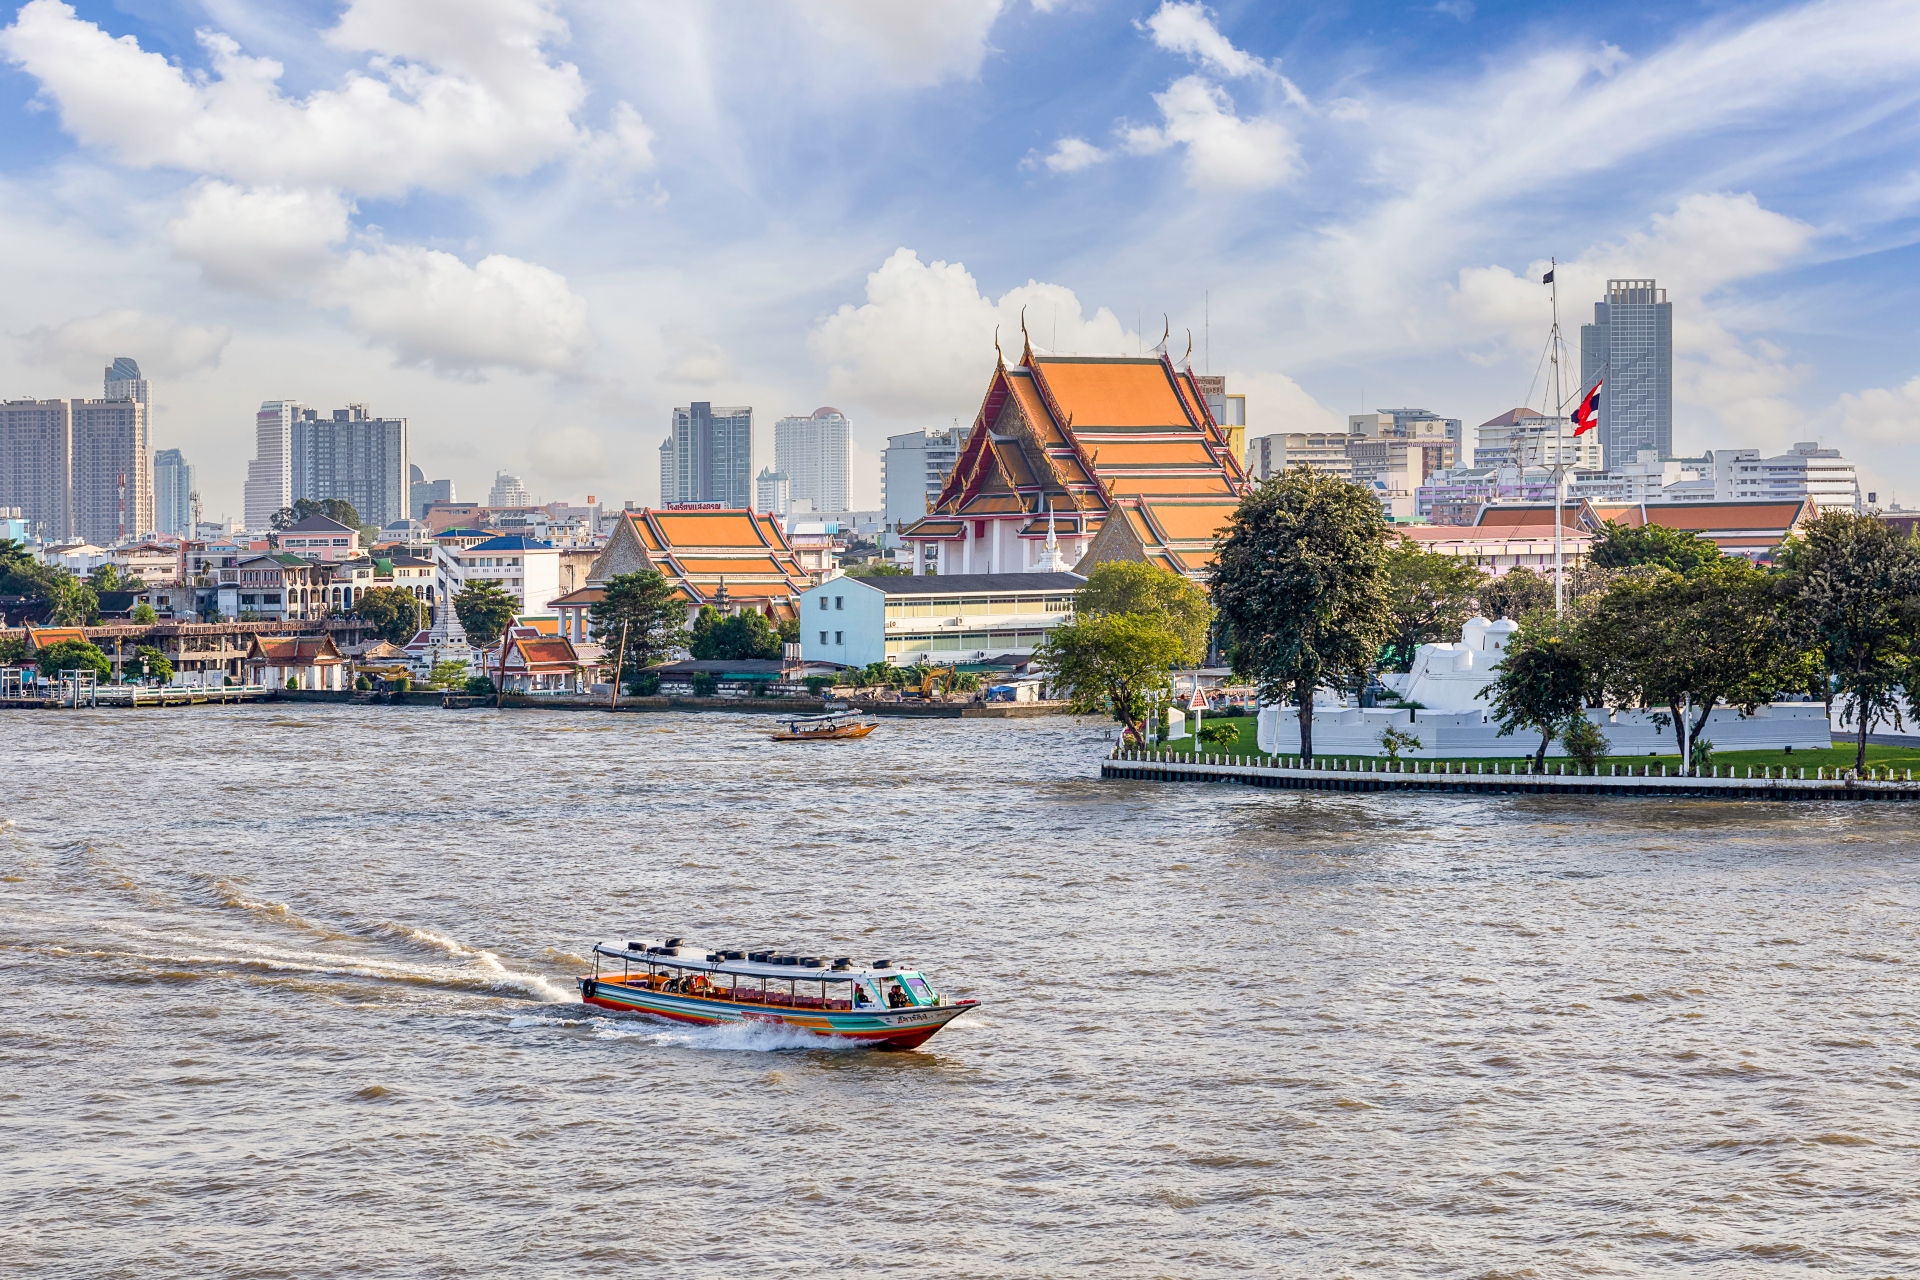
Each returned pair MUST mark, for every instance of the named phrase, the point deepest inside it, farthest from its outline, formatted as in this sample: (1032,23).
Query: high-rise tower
(173,490)
(712,455)
(1630,346)
(812,451)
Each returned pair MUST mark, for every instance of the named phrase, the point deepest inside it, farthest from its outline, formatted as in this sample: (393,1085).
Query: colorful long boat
(882,1005)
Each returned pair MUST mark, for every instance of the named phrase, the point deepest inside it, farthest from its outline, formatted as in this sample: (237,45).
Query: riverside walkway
(1559,779)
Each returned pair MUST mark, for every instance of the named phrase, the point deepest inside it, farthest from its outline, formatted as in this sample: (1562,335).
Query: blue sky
(533,226)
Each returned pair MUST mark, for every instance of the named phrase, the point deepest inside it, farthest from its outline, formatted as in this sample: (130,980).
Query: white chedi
(1450,676)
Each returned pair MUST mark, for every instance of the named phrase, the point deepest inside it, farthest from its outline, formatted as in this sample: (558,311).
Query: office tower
(423,493)
(270,475)
(508,491)
(112,471)
(352,456)
(173,490)
(669,474)
(1630,345)
(36,465)
(1229,412)
(1452,428)
(812,452)
(913,468)
(123,382)
(773,492)
(713,455)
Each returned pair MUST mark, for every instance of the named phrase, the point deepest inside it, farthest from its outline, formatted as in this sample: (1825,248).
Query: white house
(941,620)
(525,568)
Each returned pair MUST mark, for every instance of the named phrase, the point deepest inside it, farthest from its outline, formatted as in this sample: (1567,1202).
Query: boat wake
(726,1038)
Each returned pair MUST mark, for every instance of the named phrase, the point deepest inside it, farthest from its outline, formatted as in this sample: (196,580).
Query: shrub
(480,686)
(818,685)
(400,684)
(705,684)
(1702,755)
(362,683)
(293,682)
(1584,742)
(1393,741)
(644,685)
(1219,736)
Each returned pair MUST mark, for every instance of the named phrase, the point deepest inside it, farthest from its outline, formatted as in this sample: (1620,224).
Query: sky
(532,227)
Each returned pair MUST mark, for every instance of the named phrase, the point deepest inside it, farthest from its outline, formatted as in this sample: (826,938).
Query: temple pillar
(919,559)
(994,556)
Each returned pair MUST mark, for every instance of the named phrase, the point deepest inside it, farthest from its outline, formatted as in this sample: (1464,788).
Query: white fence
(1356,731)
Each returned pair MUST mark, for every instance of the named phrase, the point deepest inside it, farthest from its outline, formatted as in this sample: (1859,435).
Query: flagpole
(1559,452)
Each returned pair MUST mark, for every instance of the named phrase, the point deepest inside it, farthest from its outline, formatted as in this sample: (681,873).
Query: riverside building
(938,620)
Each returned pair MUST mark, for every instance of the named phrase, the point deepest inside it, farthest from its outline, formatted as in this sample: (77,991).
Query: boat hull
(830,735)
(879,1029)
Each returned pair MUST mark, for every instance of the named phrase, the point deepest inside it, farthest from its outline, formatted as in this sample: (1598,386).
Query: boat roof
(696,958)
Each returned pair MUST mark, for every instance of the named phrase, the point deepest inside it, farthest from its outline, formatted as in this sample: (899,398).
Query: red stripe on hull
(881,1040)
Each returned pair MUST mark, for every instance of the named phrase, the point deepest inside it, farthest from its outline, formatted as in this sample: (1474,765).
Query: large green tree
(642,617)
(1301,584)
(1540,684)
(74,602)
(1671,641)
(1148,591)
(395,613)
(746,634)
(1856,582)
(1112,664)
(484,611)
(148,660)
(73,655)
(1429,596)
(1619,546)
(338,509)
(1515,594)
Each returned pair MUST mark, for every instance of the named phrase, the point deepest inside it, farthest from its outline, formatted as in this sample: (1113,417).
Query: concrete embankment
(1148,766)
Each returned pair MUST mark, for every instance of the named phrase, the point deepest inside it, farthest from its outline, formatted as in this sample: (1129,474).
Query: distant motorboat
(828,728)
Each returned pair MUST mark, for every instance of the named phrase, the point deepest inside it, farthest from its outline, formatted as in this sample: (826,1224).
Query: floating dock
(1364,775)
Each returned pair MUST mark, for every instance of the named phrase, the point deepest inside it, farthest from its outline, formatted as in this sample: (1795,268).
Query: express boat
(831,727)
(885,1005)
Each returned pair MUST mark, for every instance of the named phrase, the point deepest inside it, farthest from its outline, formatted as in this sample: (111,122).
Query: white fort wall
(1355,731)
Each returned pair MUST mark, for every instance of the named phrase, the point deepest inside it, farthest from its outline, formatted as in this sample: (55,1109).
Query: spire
(1052,561)
(1026,341)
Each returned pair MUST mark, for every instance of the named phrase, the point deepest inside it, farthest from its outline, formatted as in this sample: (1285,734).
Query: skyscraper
(270,474)
(1630,345)
(508,491)
(773,492)
(112,471)
(173,489)
(912,471)
(353,456)
(712,455)
(812,451)
(36,465)
(123,382)
(669,473)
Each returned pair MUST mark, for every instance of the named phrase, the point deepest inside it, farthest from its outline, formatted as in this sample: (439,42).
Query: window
(824,604)
(340,542)
(823,637)
(839,637)
(839,602)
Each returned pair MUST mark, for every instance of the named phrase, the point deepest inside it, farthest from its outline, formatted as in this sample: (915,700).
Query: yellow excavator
(936,679)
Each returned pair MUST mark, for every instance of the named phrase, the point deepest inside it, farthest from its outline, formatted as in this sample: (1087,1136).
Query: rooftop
(965,583)
(511,542)
(319,524)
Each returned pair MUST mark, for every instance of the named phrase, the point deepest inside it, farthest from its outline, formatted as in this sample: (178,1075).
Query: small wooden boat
(881,1005)
(828,728)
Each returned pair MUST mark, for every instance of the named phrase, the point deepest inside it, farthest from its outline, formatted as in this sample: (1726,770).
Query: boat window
(922,993)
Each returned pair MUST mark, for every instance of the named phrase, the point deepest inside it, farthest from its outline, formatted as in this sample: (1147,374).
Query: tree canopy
(1112,664)
(1429,596)
(1619,546)
(73,655)
(1857,583)
(1515,594)
(394,612)
(1541,684)
(1148,591)
(149,661)
(746,634)
(338,509)
(1301,584)
(484,611)
(643,606)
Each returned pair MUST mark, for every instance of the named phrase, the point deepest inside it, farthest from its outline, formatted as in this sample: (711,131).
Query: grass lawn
(1838,757)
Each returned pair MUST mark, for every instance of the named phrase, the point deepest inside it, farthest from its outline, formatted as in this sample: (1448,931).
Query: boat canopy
(702,961)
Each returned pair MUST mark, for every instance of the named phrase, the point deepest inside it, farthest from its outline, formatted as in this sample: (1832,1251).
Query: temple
(1076,460)
(731,559)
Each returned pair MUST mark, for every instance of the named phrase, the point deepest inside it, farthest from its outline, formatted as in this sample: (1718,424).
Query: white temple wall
(1356,731)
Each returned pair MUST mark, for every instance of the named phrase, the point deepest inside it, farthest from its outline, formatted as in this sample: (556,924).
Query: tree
(1661,639)
(394,613)
(149,661)
(876,568)
(105,578)
(1113,664)
(447,674)
(1619,546)
(1301,584)
(73,655)
(1585,742)
(1541,685)
(1148,591)
(1855,580)
(335,509)
(1218,736)
(144,614)
(74,603)
(644,608)
(484,611)
(1429,596)
(1515,594)
(746,634)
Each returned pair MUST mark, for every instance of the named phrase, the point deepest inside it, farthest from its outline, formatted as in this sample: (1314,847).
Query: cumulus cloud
(435,310)
(166,346)
(922,342)
(451,97)
(693,359)
(910,45)
(1188,29)
(1071,155)
(265,241)
(1879,415)
(1223,151)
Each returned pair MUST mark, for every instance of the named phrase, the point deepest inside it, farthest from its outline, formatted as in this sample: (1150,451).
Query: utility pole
(1559,452)
(619,663)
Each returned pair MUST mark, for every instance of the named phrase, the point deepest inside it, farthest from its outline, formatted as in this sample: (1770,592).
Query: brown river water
(287,991)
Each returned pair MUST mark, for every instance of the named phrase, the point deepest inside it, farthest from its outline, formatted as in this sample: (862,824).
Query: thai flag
(1587,416)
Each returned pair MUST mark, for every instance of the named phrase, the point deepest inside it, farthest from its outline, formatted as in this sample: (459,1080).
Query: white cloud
(627,145)
(567,453)
(1879,416)
(922,343)
(1276,402)
(1071,155)
(1461,9)
(165,346)
(267,241)
(435,310)
(694,359)
(1188,29)
(910,45)
(453,96)
(1223,150)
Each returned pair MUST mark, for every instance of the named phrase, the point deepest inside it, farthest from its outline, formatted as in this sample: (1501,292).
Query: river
(287,991)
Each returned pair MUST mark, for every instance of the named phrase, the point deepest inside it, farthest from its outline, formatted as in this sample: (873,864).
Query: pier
(1334,775)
